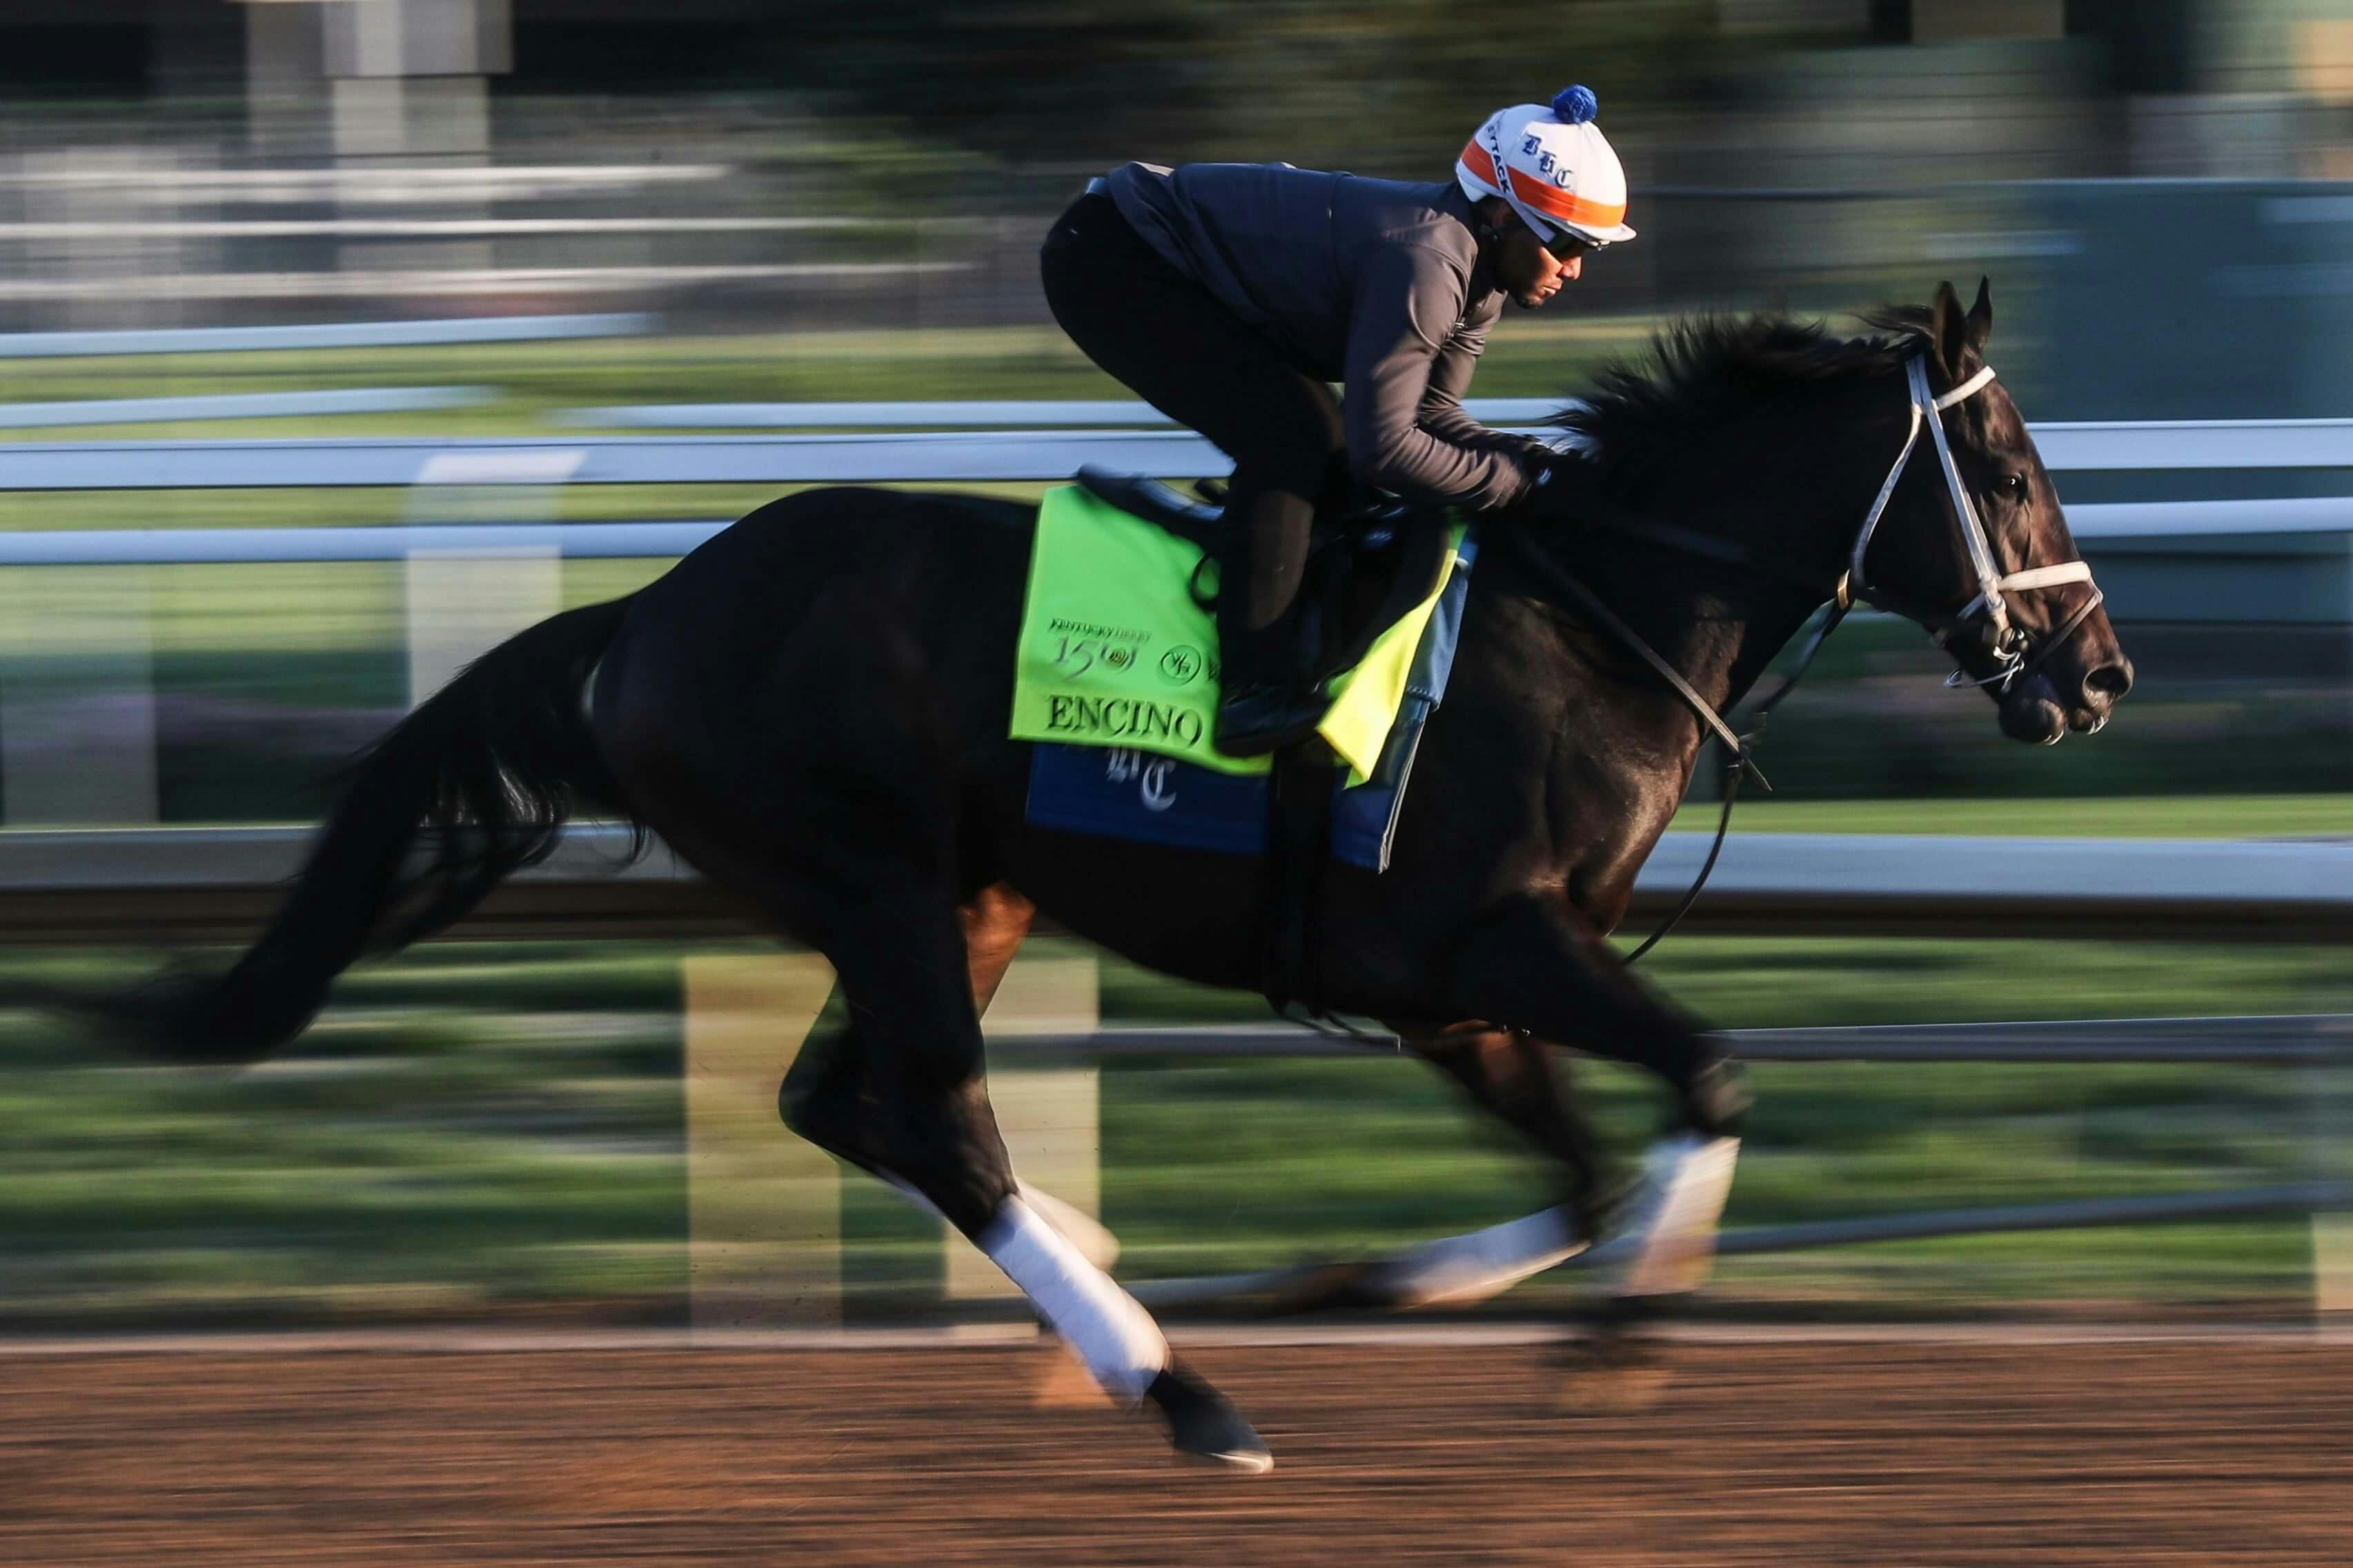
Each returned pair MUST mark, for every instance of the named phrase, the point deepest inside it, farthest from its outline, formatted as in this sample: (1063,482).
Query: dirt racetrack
(2229,1450)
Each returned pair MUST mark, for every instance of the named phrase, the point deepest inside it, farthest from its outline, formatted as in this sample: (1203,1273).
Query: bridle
(2007,641)
(2010,648)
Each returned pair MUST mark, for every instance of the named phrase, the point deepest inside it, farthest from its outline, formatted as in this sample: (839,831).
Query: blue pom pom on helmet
(1575,105)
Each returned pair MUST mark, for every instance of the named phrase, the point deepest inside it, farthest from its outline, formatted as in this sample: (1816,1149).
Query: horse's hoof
(1204,1426)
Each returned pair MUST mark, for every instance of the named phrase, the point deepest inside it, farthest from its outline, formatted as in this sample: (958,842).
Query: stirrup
(1371,523)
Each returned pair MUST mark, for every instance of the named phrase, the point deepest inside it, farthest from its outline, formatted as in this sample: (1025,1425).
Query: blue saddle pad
(1119,793)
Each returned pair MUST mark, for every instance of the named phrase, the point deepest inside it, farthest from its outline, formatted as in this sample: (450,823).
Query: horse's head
(1966,537)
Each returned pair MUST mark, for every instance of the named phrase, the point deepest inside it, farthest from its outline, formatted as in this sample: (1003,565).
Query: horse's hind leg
(910,1002)
(826,1092)
(995,919)
(910,1068)
(820,791)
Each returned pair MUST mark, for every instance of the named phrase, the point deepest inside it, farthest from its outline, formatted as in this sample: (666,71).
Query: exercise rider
(1230,295)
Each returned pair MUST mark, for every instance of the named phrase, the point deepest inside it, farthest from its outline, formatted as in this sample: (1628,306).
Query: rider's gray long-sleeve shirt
(1375,284)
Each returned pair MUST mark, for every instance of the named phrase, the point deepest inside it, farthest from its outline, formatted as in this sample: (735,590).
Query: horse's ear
(1980,323)
(1948,329)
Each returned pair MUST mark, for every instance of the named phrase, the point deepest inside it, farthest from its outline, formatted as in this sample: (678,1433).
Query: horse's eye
(2014,488)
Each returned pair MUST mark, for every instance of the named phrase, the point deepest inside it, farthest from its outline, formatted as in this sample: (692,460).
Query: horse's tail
(485,773)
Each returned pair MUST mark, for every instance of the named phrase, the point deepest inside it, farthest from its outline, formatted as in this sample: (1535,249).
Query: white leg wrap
(1109,1329)
(1094,1242)
(1686,1180)
(1462,1269)
(1089,1234)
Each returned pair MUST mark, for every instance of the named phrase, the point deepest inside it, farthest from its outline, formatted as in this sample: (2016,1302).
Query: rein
(1739,761)
(2008,643)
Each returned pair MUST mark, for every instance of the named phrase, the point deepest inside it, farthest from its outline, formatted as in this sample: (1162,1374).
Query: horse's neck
(1778,617)
(1716,626)
(1719,622)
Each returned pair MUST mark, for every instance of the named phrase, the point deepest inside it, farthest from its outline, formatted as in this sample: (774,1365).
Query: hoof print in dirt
(1615,1370)
(1605,1388)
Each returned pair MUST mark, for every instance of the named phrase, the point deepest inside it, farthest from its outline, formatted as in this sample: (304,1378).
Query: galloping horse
(812,710)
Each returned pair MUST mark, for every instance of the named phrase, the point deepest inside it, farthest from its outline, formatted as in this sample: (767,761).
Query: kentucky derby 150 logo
(1081,644)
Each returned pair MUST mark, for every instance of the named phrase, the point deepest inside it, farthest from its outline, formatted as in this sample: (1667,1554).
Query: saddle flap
(1155,504)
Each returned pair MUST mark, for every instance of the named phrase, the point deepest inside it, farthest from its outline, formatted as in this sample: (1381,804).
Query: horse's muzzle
(2035,710)
(2029,714)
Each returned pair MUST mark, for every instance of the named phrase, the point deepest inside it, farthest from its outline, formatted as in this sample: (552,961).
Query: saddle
(1366,567)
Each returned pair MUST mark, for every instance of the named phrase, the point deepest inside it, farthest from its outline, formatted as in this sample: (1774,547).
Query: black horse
(812,710)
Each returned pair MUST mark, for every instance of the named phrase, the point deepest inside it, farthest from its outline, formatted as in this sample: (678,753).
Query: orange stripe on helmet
(1556,203)
(1475,158)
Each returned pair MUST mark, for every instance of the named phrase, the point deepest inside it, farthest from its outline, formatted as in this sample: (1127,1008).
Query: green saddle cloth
(1114,652)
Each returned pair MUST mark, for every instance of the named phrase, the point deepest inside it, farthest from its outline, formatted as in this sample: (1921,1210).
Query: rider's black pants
(1169,340)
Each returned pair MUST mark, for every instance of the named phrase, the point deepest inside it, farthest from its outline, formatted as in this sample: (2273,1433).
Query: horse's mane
(1644,417)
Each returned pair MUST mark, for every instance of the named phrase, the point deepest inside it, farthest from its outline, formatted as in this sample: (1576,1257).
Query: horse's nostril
(2110,680)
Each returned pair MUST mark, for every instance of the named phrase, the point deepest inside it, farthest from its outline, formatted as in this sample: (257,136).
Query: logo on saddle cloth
(1111,650)
(1153,776)
(1080,646)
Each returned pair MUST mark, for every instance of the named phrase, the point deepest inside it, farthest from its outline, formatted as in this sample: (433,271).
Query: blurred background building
(187,161)
(2162,193)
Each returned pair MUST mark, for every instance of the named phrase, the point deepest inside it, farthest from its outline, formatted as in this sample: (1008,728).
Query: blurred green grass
(477,1132)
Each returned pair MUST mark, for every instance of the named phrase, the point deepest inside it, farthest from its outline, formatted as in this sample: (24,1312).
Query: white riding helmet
(1553,165)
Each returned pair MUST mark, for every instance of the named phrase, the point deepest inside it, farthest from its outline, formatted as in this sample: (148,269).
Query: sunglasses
(1564,246)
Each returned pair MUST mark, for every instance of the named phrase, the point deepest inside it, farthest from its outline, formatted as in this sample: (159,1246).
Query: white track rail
(326,334)
(1898,884)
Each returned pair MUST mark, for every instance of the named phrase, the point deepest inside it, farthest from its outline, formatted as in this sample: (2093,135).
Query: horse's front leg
(1515,1078)
(1526,1084)
(1536,965)
(1507,1076)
